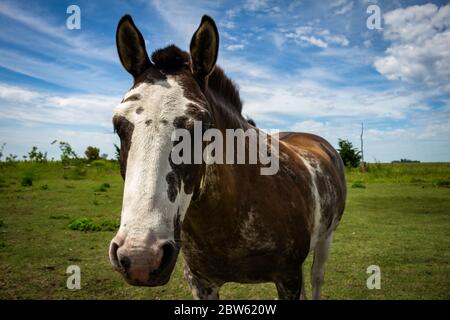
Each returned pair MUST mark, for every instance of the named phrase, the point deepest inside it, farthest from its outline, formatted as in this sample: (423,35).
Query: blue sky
(308,66)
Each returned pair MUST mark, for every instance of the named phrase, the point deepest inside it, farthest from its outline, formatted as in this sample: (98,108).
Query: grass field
(397,217)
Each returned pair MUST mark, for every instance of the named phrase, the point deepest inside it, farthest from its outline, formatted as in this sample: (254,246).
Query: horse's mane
(172,59)
(224,86)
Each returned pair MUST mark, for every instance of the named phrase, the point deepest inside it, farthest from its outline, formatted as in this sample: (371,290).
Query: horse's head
(168,94)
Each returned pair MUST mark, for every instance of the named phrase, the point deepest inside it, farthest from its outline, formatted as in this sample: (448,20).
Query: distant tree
(104,156)
(2,147)
(11,158)
(92,153)
(406,161)
(350,155)
(36,155)
(117,151)
(67,153)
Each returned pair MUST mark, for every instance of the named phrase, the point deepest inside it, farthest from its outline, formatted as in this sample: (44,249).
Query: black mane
(171,60)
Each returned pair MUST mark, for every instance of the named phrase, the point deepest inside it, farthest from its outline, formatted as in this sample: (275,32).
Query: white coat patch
(146,209)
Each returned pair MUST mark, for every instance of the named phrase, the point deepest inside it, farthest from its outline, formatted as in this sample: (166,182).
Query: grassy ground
(397,217)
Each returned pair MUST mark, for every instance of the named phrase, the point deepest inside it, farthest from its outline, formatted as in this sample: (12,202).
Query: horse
(232,223)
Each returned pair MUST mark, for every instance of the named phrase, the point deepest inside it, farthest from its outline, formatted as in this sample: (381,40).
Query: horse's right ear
(131,47)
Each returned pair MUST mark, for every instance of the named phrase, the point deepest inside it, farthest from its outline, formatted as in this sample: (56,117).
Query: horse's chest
(247,252)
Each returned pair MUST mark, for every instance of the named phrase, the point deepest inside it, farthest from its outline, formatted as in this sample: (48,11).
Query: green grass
(400,221)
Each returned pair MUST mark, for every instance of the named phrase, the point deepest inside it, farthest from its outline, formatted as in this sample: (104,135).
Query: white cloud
(420,46)
(314,41)
(345,8)
(311,99)
(31,106)
(384,144)
(309,35)
(81,44)
(234,47)
(20,139)
(11,93)
(255,5)
(182,18)
(89,79)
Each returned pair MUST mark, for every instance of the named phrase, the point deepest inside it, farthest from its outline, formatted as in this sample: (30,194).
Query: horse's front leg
(291,287)
(200,288)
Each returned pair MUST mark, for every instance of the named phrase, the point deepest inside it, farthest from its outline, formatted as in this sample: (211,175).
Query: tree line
(67,156)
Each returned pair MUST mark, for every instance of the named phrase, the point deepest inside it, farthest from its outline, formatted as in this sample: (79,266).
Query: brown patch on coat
(124,129)
(139,110)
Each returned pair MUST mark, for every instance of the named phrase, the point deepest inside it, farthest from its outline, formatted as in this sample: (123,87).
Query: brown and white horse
(232,223)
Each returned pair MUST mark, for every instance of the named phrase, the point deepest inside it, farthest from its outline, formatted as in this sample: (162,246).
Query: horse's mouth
(158,277)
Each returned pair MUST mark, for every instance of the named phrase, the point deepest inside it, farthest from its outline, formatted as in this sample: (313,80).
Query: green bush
(59,217)
(358,184)
(443,183)
(27,179)
(44,187)
(92,153)
(98,163)
(87,224)
(350,155)
(103,187)
(37,156)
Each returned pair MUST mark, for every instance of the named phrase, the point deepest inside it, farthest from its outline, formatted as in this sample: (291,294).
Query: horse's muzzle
(144,266)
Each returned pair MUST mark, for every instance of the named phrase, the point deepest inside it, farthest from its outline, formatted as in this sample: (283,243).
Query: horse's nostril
(125,262)
(169,253)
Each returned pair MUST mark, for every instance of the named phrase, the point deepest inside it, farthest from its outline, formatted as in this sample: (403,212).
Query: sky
(310,66)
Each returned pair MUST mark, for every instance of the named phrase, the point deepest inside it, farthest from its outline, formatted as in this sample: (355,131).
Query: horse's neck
(216,176)
(224,116)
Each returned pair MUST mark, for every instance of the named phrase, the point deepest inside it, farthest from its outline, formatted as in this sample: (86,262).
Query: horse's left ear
(204,49)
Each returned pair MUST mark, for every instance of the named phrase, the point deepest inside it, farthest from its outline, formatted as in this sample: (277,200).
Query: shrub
(59,217)
(44,187)
(27,179)
(2,147)
(36,155)
(117,151)
(443,183)
(67,153)
(98,163)
(11,158)
(87,224)
(75,173)
(92,153)
(103,187)
(358,184)
(350,155)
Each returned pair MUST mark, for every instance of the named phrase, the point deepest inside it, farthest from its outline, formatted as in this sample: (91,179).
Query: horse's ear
(204,49)
(131,47)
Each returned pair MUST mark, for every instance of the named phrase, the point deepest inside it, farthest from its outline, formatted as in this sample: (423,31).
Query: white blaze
(147,210)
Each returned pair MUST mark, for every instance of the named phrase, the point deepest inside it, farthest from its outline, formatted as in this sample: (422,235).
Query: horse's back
(330,171)
(317,146)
